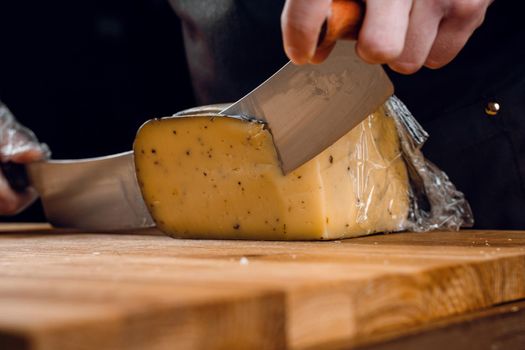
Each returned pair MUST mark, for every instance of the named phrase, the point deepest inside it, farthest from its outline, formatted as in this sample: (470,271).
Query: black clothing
(232,46)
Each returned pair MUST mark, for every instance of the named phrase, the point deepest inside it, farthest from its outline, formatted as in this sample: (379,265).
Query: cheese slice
(211,176)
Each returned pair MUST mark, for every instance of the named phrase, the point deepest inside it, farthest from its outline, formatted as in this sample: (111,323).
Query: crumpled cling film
(15,138)
(379,164)
(435,203)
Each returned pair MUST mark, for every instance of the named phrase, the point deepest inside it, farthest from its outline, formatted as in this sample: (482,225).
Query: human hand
(18,145)
(405,34)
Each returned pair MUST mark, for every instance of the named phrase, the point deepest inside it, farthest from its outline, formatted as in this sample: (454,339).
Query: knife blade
(307,108)
(97,194)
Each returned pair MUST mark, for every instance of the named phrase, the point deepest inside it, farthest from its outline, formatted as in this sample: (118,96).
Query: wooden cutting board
(143,290)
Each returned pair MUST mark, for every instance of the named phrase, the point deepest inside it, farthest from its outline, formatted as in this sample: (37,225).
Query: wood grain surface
(499,328)
(142,290)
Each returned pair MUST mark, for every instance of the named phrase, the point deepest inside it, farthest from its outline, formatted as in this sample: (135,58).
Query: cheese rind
(219,177)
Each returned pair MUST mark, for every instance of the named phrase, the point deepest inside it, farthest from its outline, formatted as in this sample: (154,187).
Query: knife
(307,108)
(98,194)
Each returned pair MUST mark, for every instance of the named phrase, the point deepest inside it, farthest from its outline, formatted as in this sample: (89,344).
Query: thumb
(301,23)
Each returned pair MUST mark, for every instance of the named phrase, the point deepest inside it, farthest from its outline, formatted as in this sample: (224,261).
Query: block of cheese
(218,177)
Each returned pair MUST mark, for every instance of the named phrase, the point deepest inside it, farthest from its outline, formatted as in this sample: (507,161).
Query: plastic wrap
(436,204)
(18,144)
(16,139)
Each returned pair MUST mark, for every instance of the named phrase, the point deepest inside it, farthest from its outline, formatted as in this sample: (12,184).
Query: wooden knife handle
(344,22)
(16,176)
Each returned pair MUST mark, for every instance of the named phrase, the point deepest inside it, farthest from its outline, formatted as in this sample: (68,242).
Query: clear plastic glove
(405,34)
(18,145)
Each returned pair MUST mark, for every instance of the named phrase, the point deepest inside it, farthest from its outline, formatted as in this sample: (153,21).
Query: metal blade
(98,194)
(309,107)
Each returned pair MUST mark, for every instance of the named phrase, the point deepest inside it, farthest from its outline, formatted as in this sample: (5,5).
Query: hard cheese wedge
(218,177)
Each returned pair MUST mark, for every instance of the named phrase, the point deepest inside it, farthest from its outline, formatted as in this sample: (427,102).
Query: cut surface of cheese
(218,177)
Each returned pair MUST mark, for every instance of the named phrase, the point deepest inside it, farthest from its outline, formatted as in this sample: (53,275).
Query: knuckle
(284,20)
(467,9)
(296,26)
(301,28)
(480,20)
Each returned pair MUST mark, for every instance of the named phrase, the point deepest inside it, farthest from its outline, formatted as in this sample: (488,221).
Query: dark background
(84,75)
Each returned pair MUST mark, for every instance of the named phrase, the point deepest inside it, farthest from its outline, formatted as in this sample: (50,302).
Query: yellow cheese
(219,177)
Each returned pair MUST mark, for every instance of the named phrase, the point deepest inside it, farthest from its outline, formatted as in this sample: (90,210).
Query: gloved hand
(19,145)
(405,34)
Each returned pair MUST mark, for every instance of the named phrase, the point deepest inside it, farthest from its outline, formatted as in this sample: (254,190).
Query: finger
(453,34)
(11,202)
(382,36)
(31,155)
(8,199)
(301,23)
(321,54)
(424,22)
